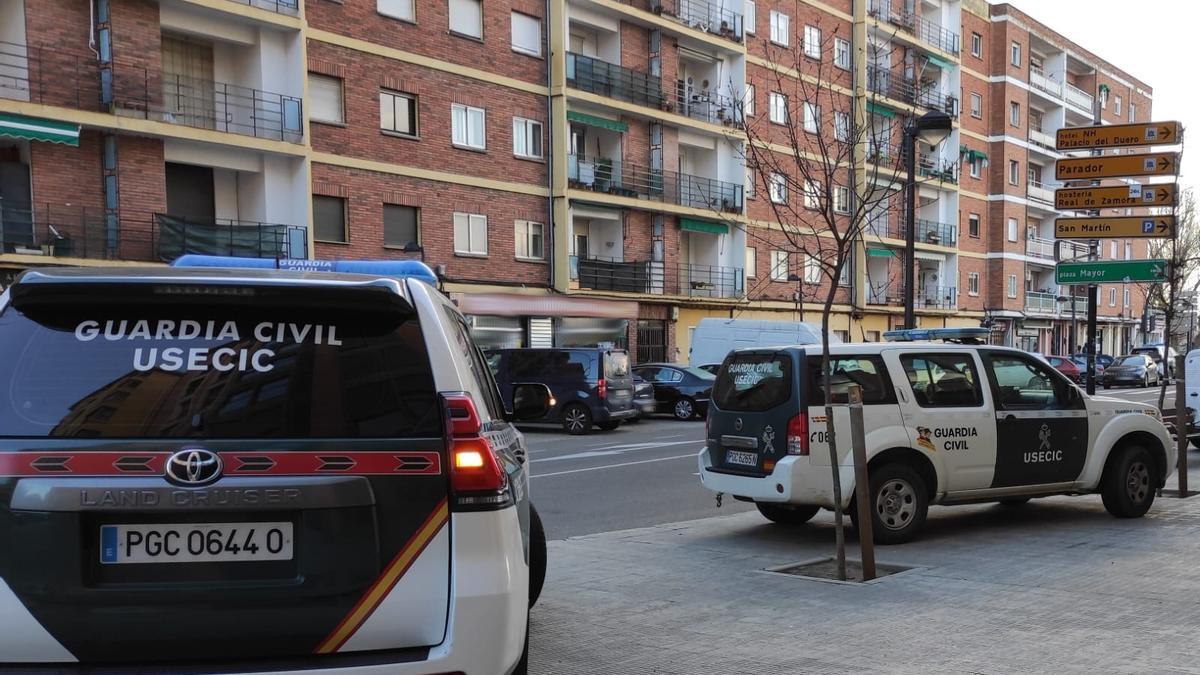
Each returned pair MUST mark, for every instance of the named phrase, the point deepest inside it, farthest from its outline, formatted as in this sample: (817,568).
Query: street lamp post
(933,127)
(1074,326)
(798,296)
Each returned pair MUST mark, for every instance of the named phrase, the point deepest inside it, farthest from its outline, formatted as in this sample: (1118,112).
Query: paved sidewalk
(1056,586)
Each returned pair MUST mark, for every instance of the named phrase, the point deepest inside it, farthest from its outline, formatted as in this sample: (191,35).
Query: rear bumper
(606,414)
(794,481)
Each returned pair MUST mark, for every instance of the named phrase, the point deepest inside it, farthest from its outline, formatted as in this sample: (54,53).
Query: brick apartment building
(573,169)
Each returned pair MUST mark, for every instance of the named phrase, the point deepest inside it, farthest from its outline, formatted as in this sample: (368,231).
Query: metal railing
(1038,79)
(932,232)
(615,177)
(227,107)
(701,15)
(1039,248)
(174,236)
(936,297)
(884,11)
(1041,139)
(610,80)
(1040,192)
(1041,302)
(706,107)
(658,278)
(894,86)
(937,169)
(934,34)
(1080,99)
(68,231)
(291,7)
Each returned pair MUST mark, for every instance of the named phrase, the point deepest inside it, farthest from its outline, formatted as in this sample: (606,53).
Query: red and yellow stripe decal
(386,581)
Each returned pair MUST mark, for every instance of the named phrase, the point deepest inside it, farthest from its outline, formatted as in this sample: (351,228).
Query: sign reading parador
(1135,194)
(1117,227)
(1118,135)
(1117,166)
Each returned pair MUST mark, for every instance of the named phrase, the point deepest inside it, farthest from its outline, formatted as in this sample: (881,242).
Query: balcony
(623,179)
(657,278)
(886,83)
(701,15)
(176,236)
(1036,247)
(932,232)
(1042,140)
(612,81)
(223,107)
(937,169)
(1080,99)
(1040,81)
(62,231)
(936,297)
(925,30)
(706,107)
(1041,302)
(289,7)
(1040,192)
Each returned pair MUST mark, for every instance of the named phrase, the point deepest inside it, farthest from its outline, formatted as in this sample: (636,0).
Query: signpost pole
(858,439)
(1094,254)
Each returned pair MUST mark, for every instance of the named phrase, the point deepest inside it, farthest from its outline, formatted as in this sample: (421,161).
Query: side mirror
(531,401)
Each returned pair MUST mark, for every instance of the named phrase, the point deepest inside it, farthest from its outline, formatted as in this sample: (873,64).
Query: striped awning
(879,110)
(35,129)
(939,62)
(594,121)
(879,253)
(705,226)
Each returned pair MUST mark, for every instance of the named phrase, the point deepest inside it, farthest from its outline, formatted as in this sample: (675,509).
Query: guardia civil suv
(944,423)
(223,469)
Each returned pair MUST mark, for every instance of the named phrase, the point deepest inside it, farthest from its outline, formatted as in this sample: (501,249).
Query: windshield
(699,373)
(1130,361)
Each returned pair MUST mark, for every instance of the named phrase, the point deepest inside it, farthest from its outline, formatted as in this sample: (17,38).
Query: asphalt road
(643,474)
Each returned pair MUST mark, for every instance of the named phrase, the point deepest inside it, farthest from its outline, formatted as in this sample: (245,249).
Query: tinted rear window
(754,382)
(208,371)
(616,365)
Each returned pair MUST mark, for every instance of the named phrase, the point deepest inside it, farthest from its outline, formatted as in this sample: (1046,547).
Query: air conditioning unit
(952,106)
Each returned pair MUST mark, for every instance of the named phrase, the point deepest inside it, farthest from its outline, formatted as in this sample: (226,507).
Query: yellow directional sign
(1114,228)
(1135,194)
(1118,135)
(1117,166)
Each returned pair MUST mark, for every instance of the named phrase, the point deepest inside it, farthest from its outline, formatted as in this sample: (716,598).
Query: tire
(1105,385)
(1015,501)
(684,409)
(577,420)
(1145,381)
(1129,482)
(537,556)
(899,504)
(609,425)
(787,514)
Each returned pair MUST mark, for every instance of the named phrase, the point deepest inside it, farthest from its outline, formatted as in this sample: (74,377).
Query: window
(972,283)
(527,138)
(1014,113)
(401,225)
(466,18)
(812,42)
(325,99)
(1125,298)
(780,28)
(841,53)
(329,218)
(1014,172)
(841,126)
(844,278)
(778,188)
(1016,53)
(468,126)
(750,16)
(812,270)
(749,187)
(397,113)
(973,225)
(1024,383)
(526,34)
(1012,229)
(841,199)
(976,165)
(763,381)
(812,117)
(976,45)
(529,238)
(397,9)
(943,380)
(470,234)
(1012,285)
(868,372)
(748,101)
(1112,297)
(778,105)
(1117,106)
(1132,112)
(1128,251)
(976,105)
(1112,250)
(812,193)
(779,265)
(751,262)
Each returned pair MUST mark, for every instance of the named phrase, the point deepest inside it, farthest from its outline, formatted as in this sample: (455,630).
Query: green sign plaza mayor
(1110,271)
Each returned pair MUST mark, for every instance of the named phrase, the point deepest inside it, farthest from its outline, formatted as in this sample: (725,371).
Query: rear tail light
(797,435)
(477,481)
(602,389)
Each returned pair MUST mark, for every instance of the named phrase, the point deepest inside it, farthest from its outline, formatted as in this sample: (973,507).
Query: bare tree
(1182,253)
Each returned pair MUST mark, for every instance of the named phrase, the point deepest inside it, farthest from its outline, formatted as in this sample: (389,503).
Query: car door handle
(1009,418)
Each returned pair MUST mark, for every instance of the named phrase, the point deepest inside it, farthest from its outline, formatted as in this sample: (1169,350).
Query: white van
(713,339)
(1191,378)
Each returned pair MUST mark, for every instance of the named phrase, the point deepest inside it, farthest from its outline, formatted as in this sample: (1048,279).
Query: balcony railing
(1036,247)
(612,81)
(176,236)
(1041,302)
(291,7)
(1041,192)
(933,232)
(936,297)
(623,179)
(53,77)
(889,84)
(705,107)
(1038,79)
(62,231)
(884,11)
(927,31)
(701,15)
(1079,98)
(937,169)
(658,278)
(1042,139)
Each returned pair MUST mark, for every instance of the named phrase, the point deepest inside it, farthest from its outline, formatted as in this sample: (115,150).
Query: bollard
(1181,424)
(862,483)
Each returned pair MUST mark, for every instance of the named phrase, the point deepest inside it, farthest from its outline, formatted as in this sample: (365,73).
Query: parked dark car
(683,391)
(1157,352)
(1067,366)
(1102,361)
(591,386)
(1138,370)
(643,397)
(710,367)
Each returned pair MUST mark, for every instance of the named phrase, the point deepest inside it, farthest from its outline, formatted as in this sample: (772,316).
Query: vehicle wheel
(1105,385)
(899,504)
(1145,381)
(1129,482)
(577,420)
(609,425)
(537,556)
(787,514)
(684,409)
(1015,501)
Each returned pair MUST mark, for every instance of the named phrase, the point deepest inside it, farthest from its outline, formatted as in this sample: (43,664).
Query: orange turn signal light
(468,459)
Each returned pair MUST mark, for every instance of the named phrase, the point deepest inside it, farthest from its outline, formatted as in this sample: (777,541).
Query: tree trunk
(838,526)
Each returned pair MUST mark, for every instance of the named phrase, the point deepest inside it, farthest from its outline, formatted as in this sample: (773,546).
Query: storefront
(511,320)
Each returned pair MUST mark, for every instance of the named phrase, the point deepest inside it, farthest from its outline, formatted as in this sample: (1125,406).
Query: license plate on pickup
(195,542)
(741,458)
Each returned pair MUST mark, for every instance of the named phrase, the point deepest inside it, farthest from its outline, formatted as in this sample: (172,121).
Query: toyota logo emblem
(737,424)
(193,467)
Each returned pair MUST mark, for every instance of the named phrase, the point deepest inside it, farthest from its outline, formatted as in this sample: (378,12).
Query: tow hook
(719,495)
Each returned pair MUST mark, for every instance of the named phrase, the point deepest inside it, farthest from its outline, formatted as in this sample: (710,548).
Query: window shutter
(325,98)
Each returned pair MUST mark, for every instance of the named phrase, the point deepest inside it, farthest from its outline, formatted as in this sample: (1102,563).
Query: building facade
(574,170)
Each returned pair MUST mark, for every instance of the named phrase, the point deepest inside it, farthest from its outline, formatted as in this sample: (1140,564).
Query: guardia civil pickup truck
(945,423)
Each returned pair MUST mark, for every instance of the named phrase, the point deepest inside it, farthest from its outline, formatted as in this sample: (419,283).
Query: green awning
(972,155)
(878,253)
(34,129)
(593,121)
(940,62)
(879,110)
(705,226)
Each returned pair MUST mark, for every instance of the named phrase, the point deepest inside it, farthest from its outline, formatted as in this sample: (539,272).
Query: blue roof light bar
(403,269)
(966,335)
